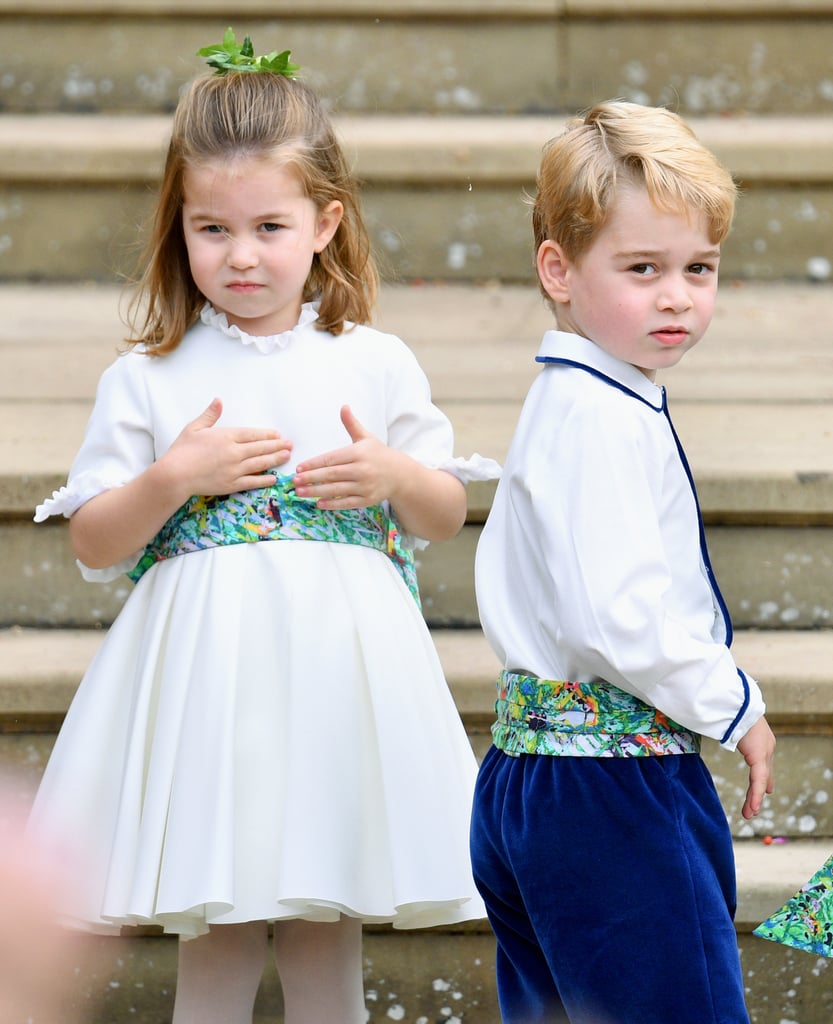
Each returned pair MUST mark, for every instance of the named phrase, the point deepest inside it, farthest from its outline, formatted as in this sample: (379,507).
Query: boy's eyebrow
(653,253)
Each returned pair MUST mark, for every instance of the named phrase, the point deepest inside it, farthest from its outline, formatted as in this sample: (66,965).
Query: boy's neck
(565,329)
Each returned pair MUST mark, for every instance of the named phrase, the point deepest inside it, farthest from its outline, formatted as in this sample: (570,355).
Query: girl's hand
(758,749)
(429,503)
(364,473)
(206,459)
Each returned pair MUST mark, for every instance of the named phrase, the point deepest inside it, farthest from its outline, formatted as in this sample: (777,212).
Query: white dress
(266,731)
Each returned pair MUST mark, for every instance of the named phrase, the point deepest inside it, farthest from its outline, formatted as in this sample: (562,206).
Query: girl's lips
(244,287)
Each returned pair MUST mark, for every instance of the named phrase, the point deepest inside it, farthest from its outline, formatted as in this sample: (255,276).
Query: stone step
(444,196)
(436,975)
(754,413)
(447,974)
(435,56)
(40,670)
(771,577)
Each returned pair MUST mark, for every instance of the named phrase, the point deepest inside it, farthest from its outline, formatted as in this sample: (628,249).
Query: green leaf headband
(230,56)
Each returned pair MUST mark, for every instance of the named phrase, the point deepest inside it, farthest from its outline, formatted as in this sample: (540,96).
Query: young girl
(266,734)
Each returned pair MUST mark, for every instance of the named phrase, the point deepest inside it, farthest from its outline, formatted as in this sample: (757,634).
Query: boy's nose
(674,295)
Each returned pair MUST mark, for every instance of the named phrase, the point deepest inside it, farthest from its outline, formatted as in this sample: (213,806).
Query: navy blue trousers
(610,886)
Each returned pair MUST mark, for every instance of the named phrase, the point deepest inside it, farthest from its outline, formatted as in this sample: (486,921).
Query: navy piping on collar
(724,611)
(602,376)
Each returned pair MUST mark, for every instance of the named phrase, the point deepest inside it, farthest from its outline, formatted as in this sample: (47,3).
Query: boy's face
(644,291)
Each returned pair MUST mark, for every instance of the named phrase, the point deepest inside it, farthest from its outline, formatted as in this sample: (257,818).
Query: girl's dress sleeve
(118,446)
(417,427)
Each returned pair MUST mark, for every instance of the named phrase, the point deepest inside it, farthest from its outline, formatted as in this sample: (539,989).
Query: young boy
(598,840)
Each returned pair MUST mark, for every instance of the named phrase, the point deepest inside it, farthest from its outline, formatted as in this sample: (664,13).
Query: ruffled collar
(263,343)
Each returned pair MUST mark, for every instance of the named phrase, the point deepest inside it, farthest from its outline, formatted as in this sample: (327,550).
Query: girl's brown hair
(253,115)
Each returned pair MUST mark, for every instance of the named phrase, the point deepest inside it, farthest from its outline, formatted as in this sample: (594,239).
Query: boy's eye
(642,268)
(700,269)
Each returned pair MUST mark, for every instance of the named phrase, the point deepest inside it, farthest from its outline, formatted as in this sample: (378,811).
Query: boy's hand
(758,748)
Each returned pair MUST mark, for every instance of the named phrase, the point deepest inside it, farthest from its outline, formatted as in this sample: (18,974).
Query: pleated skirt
(265,733)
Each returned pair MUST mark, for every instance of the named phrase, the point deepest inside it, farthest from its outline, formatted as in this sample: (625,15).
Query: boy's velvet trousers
(610,885)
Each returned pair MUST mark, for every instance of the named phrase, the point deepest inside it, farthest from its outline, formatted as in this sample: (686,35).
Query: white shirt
(593,564)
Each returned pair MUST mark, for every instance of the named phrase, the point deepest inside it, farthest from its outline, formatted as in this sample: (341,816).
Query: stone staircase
(445,104)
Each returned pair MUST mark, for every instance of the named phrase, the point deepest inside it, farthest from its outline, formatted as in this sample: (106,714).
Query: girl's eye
(214,229)
(269,227)
(643,269)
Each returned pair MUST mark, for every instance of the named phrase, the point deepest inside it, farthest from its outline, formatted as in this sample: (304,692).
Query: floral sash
(545,716)
(274,513)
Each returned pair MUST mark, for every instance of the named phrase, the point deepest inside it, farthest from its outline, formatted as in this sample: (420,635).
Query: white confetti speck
(818,268)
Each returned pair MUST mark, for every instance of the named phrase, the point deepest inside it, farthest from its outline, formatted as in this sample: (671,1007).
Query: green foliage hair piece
(233,56)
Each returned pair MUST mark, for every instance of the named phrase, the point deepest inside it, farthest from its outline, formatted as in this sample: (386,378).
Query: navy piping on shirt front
(663,408)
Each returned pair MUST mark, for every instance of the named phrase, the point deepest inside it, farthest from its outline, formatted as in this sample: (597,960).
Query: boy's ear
(552,267)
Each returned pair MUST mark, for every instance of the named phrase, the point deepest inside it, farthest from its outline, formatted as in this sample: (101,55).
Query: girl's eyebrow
(195,213)
(198,212)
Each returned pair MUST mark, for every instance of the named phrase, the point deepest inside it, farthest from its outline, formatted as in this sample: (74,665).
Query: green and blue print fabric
(806,920)
(545,716)
(275,513)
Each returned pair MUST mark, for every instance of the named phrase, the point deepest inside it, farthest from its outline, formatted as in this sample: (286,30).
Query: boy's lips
(670,335)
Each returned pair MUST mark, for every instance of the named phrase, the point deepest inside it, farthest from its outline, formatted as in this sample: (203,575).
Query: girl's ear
(553,267)
(328,221)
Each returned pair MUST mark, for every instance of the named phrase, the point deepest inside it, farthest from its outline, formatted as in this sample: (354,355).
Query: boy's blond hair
(619,142)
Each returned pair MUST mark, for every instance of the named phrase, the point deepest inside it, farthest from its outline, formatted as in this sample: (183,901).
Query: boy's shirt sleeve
(615,568)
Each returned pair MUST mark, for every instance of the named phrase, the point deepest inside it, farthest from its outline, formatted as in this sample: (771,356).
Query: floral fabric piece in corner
(806,920)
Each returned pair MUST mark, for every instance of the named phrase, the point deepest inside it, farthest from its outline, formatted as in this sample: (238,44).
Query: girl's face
(251,234)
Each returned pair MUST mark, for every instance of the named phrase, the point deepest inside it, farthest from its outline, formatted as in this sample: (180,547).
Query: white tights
(320,967)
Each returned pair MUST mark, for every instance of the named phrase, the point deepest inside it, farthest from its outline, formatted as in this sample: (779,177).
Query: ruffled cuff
(112,572)
(70,498)
(477,467)
(62,503)
(467,471)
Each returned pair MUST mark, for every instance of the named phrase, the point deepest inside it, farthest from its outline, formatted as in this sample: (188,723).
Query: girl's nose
(241,254)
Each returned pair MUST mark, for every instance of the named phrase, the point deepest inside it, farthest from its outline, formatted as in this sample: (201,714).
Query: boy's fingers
(760,782)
